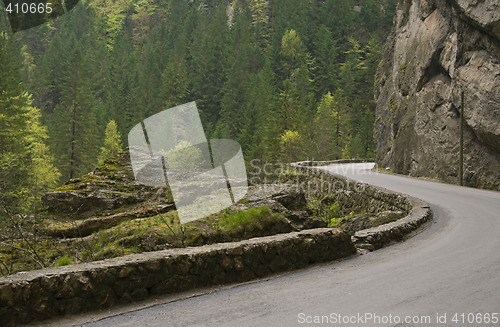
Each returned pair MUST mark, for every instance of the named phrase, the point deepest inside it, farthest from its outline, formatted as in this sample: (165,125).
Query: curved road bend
(451,267)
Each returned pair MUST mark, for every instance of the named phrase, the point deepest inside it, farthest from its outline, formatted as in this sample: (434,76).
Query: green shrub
(394,104)
(291,143)
(324,211)
(332,211)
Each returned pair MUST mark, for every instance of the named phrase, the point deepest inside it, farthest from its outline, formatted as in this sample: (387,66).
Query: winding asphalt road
(452,267)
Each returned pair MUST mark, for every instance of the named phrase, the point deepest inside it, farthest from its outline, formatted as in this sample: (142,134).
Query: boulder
(292,199)
(110,186)
(283,198)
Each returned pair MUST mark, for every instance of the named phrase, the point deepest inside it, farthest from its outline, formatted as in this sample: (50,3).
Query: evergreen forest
(288,79)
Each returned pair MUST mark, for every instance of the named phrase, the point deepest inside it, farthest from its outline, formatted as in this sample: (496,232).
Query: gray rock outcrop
(436,50)
(110,186)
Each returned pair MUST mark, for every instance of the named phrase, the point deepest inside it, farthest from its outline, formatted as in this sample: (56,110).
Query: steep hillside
(436,50)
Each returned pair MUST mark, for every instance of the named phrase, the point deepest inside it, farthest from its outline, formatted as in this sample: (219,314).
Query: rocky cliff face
(436,50)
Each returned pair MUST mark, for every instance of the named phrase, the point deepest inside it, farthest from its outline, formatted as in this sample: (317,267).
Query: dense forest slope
(289,80)
(436,50)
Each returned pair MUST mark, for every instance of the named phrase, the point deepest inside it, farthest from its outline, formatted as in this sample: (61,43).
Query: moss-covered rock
(110,186)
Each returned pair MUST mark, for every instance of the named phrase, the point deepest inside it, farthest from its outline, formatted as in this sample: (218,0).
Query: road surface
(452,268)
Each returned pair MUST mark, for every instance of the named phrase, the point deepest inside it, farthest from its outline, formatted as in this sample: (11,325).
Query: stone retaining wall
(353,194)
(383,235)
(46,293)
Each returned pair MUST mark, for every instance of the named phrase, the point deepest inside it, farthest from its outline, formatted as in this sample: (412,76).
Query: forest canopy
(289,80)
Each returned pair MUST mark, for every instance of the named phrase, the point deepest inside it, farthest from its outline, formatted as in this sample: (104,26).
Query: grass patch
(254,216)
(387,171)
(63,261)
(402,68)
(290,172)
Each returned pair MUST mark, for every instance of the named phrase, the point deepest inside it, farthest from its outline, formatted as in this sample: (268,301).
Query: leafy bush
(324,211)
(291,146)
(332,211)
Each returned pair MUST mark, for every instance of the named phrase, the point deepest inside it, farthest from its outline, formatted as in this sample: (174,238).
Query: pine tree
(339,16)
(43,175)
(124,79)
(296,95)
(327,66)
(292,52)
(26,168)
(112,142)
(239,72)
(74,126)
(14,108)
(149,101)
(352,69)
(175,79)
(342,126)
(262,129)
(208,51)
(261,21)
(325,128)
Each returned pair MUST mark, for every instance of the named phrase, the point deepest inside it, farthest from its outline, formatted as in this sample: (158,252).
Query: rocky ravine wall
(46,293)
(436,50)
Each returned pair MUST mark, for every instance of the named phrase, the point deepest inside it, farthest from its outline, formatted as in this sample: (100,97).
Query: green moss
(337,221)
(384,170)
(290,172)
(393,103)
(380,66)
(402,68)
(77,184)
(48,251)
